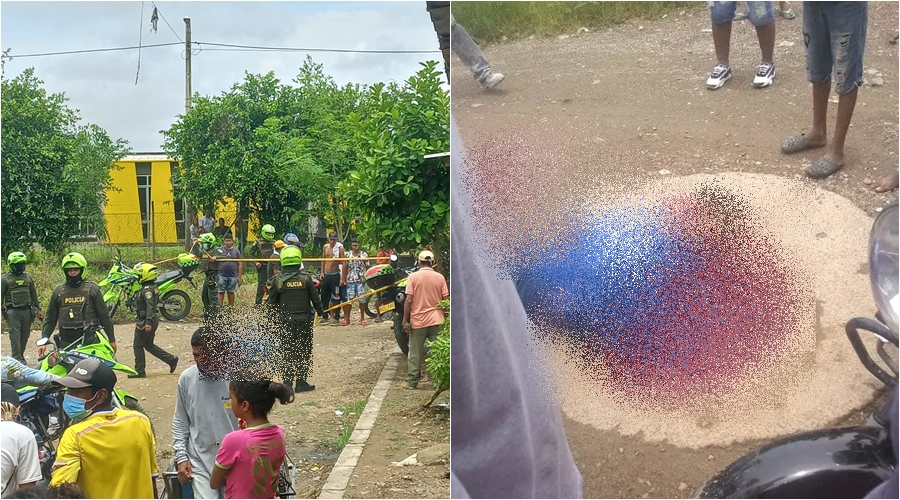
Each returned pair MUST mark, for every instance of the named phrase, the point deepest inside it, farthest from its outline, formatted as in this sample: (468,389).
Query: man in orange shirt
(421,315)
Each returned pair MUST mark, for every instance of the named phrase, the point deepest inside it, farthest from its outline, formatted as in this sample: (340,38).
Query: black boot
(303,386)
(173,365)
(139,375)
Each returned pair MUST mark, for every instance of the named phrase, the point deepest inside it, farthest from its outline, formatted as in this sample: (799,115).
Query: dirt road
(628,105)
(347,362)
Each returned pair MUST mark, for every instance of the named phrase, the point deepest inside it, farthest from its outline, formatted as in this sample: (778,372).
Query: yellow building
(141,208)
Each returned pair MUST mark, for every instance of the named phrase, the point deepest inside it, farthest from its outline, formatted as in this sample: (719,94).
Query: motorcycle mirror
(42,341)
(394,258)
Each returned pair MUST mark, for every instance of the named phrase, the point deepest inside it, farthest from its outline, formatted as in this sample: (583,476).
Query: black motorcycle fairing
(833,463)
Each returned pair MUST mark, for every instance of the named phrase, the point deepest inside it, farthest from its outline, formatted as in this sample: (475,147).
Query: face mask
(18,268)
(75,408)
(206,246)
(74,280)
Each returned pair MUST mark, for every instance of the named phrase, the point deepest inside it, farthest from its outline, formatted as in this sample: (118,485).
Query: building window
(179,205)
(143,183)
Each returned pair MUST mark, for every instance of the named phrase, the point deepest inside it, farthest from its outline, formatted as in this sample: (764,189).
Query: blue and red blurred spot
(661,305)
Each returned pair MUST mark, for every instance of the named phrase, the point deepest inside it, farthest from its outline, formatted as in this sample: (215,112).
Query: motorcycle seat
(162,278)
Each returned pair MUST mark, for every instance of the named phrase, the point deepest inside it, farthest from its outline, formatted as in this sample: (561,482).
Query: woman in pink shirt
(248,461)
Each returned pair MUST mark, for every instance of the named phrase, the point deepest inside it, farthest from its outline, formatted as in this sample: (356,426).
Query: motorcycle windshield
(90,353)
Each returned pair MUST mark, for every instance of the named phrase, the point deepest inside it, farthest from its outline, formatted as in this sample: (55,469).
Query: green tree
(403,199)
(277,149)
(54,172)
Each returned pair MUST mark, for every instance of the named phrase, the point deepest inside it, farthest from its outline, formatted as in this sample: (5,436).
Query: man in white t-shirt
(18,448)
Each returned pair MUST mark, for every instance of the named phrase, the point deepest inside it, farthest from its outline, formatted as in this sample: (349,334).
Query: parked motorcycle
(92,344)
(393,298)
(845,462)
(174,304)
(37,408)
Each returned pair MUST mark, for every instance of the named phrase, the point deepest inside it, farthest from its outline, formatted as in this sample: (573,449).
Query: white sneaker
(720,74)
(765,75)
(492,80)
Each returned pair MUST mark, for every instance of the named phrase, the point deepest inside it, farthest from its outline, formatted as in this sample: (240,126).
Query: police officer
(294,292)
(263,249)
(206,247)
(75,304)
(147,303)
(20,304)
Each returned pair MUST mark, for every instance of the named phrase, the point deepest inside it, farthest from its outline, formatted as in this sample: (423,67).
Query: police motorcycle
(123,283)
(844,462)
(393,298)
(60,361)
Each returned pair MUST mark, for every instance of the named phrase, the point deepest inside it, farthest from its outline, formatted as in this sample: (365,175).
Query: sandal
(345,323)
(822,168)
(364,323)
(787,14)
(798,143)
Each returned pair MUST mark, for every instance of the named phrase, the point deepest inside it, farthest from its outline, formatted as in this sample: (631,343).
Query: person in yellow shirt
(108,452)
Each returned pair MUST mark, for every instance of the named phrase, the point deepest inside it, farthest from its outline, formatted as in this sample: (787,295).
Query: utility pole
(188,210)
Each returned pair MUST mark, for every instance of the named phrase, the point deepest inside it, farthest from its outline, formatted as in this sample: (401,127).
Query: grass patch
(489,22)
(350,415)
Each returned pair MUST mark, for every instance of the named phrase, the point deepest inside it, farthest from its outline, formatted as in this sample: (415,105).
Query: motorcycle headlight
(883,265)
(400,297)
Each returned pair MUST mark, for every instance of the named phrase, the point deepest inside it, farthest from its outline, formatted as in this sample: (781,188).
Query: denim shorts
(355,290)
(227,283)
(834,34)
(761,13)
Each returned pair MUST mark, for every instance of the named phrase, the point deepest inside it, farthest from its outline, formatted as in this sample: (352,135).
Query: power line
(230,47)
(167,22)
(295,49)
(12,56)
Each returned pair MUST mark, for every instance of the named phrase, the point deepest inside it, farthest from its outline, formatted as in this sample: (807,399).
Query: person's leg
(213,291)
(231,299)
(471,55)
(762,15)
(221,287)
(158,352)
(343,295)
(431,334)
(361,290)
(721,15)
(817,43)
(140,360)
(887,183)
(326,291)
(413,364)
(848,23)
(304,368)
(19,325)
(260,283)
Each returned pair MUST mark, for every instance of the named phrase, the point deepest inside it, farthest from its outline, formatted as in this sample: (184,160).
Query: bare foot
(887,183)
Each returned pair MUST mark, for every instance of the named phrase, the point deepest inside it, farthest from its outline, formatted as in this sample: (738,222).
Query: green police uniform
(295,293)
(20,305)
(74,308)
(209,293)
(262,249)
(147,303)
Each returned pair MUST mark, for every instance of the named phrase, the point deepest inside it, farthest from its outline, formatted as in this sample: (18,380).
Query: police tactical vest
(294,291)
(266,248)
(147,294)
(75,307)
(19,290)
(213,266)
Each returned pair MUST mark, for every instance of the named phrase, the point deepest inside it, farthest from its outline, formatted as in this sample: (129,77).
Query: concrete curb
(339,478)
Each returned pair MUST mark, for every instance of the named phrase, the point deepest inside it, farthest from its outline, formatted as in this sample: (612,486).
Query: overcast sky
(102,85)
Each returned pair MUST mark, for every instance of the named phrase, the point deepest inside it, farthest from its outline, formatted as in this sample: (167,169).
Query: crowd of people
(224,445)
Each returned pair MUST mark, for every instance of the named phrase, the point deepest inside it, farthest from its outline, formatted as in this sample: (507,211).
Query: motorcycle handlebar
(879,329)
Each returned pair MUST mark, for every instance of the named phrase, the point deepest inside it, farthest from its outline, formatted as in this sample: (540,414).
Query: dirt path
(347,362)
(626,105)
